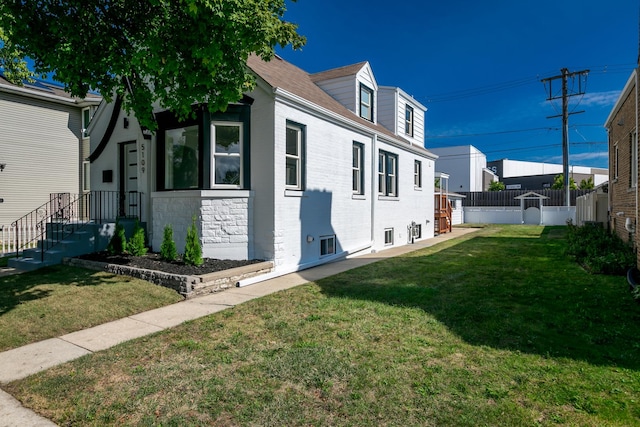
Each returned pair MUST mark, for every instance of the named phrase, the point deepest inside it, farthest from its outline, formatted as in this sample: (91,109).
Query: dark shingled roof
(279,73)
(48,88)
(348,70)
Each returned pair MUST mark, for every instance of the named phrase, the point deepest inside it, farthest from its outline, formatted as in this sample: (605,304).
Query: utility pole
(565,75)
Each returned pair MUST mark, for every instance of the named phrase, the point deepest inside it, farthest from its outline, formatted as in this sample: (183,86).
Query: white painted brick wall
(222,218)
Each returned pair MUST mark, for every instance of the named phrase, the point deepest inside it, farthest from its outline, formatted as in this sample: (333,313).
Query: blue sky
(477,65)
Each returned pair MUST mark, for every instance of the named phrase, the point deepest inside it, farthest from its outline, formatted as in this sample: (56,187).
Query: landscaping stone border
(187,286)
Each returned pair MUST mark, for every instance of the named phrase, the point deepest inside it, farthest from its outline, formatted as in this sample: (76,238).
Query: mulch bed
(152,261)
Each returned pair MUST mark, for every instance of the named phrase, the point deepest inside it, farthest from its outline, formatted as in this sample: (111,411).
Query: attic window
(366,102)
(408,121)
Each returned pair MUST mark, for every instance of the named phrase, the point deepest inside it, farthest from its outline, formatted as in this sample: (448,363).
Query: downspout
(374,185)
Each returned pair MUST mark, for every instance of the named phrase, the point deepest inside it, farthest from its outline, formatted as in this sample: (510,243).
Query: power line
(487,133)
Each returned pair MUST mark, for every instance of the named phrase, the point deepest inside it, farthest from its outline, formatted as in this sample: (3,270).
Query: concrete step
(28,264)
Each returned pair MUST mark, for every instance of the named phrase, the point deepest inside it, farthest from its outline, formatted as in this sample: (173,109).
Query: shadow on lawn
(511,293)
(21,288)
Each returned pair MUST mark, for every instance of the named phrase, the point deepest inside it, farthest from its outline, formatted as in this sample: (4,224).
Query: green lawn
(498,328)
(54,301)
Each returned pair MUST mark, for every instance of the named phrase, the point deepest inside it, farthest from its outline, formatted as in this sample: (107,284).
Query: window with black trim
(366,102)
(181,158)
(417,174)
(294,168)
(358,168)
(408,120)
(327,245)
(388,236)
(387,173)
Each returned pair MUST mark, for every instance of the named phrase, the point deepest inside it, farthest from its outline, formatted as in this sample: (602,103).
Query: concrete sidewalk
(24,361)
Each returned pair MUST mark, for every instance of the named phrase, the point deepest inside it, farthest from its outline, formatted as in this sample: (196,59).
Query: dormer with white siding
(401,113)
(354,86)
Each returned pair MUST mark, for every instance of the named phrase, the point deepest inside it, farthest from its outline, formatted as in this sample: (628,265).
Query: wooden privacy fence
(9,235)
(508,197)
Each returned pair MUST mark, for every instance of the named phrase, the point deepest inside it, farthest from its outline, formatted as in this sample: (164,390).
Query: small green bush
(168,249)
(598,250)
(193,250)
(118,242)
(136,245)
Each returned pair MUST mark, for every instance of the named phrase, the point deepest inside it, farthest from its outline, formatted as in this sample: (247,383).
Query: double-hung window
(366,102)
(358,168)
(417,174)
(294,173)
(87,113)
(408,120)
(387,174)
(227,154)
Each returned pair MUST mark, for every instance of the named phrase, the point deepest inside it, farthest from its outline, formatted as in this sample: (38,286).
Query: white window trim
(240,154)
(299,158)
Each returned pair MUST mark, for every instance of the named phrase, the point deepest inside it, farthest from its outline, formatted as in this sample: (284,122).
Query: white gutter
(47,96)
(300,267)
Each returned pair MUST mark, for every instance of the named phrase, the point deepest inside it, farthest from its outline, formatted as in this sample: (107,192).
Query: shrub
(136,245)
(193,250)
(168,249)
(118,242)
(598,250)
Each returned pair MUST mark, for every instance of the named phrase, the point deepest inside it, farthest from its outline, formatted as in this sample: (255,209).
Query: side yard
(497,328)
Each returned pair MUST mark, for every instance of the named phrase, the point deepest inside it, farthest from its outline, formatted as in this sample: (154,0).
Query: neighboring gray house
(43,148)
(299,172)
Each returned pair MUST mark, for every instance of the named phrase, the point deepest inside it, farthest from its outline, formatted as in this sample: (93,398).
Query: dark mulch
(152,261)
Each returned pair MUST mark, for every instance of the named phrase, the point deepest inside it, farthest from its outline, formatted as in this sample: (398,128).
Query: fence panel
(508,197)
(9,235)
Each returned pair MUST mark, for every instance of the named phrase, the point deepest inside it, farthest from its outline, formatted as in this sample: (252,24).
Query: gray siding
(40,143)
(387,115)
(343,90)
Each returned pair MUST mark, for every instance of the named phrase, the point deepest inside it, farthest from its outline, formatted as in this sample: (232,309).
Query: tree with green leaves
(496,186)
(558,183)
(12,64)
(587,184)
(150,52)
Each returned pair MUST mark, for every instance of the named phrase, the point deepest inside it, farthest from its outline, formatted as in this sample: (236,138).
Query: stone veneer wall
(223,218)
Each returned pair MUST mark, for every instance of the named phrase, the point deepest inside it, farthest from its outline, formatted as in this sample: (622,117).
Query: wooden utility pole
(565,74)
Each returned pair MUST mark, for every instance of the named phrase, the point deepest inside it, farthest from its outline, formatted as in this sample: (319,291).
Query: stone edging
(187,286)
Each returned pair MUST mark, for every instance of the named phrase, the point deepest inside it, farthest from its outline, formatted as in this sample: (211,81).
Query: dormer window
(366,102)
(408,120)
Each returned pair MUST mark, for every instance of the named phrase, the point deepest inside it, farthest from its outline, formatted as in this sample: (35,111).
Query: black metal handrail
(66,213)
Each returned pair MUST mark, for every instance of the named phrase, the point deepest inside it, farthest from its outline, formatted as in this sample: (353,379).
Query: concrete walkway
(24,361)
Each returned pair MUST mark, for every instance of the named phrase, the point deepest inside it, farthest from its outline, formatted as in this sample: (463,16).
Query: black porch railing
(66,213)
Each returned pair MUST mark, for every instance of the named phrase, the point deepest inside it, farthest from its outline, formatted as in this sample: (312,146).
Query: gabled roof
(47,90)
(531,195)
(347,70)
(279,73)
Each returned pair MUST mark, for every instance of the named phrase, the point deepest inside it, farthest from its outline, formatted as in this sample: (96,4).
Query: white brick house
(299,172)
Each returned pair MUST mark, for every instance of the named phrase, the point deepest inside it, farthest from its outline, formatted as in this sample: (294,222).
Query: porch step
(28,264)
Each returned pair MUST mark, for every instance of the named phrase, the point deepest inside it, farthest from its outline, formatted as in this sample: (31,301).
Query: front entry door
(129,200)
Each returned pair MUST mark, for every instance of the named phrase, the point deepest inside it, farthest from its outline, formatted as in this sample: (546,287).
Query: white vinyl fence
(550,215)
(9,236)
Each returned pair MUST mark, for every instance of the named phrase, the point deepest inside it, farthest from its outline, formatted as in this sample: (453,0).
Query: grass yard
(57,300)
(498,328)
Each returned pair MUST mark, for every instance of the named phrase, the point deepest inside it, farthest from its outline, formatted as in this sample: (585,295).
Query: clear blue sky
(477,65)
